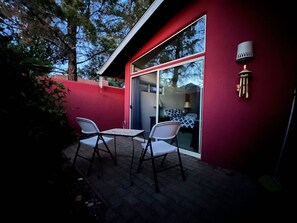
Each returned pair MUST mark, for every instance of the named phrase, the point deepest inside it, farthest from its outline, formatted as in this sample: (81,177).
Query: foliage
(115,82)
(31,112)
(83,33)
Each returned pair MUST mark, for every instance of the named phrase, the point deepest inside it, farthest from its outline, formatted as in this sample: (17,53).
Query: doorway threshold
(190,153)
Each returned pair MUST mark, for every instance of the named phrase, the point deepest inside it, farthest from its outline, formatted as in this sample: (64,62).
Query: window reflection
(188,42)
(185,76)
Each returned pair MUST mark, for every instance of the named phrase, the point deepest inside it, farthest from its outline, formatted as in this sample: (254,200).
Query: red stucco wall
(236,133)
(247,134)
(105,106)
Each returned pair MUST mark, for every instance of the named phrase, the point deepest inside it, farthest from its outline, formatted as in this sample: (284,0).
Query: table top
(122,132)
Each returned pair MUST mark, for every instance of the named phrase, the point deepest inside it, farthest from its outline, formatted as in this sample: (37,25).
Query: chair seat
(92,140)
(160,148)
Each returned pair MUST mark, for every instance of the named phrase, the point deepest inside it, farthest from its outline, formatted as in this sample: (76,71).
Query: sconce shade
(245,51)
(187,105)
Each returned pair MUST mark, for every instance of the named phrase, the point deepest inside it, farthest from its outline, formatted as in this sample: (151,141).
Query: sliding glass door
(174,93)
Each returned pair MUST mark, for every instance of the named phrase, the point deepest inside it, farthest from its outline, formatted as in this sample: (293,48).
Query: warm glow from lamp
(187,105)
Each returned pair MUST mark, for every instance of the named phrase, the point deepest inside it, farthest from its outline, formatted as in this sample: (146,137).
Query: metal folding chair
(90,136)
(157,146)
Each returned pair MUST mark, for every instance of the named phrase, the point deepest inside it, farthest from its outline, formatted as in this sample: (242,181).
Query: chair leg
(76,153)
(98,154)
(91,162)
(106,146)
(155,174)
(181,165)
(162,162)
(99,174)
(179,158)
(141,159)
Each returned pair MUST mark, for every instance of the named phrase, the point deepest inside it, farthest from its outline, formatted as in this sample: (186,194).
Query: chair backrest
(165,130)
(87,126)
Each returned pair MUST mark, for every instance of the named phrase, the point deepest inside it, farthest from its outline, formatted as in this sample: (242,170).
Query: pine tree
(80,32)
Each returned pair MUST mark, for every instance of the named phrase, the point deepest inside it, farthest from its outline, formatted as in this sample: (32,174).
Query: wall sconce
(244,51)
(243,86)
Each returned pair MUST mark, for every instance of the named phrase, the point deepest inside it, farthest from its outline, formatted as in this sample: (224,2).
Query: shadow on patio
(209,194)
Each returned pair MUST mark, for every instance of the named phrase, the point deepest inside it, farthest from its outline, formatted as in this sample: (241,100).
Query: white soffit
(132,32)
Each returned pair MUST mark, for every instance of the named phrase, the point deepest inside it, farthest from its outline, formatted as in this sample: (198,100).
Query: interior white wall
(147,103)
(173,102)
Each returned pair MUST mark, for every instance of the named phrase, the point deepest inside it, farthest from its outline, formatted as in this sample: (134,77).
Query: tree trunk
(72,63)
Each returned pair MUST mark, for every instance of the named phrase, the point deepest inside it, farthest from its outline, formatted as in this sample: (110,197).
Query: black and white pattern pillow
(172,112)
(187,121)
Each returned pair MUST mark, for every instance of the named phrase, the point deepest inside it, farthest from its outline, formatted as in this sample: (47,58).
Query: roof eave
(157,15)
(154,6)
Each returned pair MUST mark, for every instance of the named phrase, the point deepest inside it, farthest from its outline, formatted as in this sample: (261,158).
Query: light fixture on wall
(244,51)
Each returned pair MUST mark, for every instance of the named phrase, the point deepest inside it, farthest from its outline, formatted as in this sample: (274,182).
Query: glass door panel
(170,94)
(182,100)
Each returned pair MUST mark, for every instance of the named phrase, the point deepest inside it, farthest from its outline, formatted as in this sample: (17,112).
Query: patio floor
(209,193)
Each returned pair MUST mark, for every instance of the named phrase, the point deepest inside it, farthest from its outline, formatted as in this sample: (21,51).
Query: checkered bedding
(187,121)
